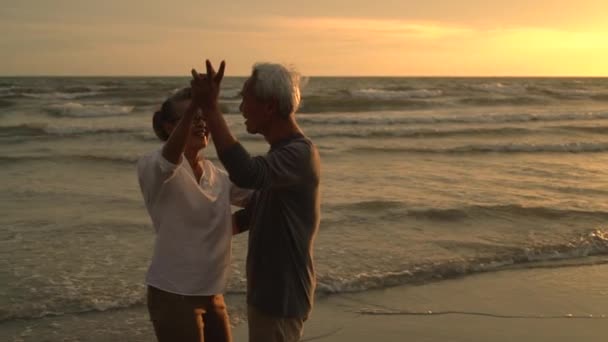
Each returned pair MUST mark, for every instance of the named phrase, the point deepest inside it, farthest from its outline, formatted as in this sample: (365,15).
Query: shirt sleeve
(153,170)
(239,196)
(242,220)
(280,168)
(166,167)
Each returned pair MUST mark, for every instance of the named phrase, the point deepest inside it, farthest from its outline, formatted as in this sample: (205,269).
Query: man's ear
(272,107)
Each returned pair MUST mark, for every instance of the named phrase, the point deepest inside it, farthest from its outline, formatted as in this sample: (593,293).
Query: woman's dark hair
(166,113)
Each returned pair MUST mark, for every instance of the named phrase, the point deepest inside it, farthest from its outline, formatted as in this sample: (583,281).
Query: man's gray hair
(277,82)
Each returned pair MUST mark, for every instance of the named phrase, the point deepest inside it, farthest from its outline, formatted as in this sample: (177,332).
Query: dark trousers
(178,318)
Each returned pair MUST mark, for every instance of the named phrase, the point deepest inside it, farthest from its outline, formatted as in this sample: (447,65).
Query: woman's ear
(168,127)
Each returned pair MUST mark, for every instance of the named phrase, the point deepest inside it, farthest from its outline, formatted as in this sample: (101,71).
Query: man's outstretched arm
(206,90)
(245,171)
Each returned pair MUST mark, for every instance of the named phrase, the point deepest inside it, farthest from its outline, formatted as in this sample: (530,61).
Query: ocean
(423,179)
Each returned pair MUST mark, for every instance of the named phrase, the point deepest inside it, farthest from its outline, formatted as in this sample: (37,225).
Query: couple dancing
(189,201)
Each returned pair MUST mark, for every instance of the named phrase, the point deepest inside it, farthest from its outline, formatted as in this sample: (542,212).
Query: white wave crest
(76,109)
(383,94)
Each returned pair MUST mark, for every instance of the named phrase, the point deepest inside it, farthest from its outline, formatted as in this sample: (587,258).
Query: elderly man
(283,214)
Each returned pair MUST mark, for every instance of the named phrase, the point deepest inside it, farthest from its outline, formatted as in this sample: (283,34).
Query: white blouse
(193,224)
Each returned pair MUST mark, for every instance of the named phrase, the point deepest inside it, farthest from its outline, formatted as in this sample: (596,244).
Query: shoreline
(533,304)
(543,304)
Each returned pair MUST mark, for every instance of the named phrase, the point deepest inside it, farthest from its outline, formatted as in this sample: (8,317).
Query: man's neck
(281,130)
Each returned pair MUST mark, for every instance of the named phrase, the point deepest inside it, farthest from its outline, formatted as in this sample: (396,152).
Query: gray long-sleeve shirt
(282,218)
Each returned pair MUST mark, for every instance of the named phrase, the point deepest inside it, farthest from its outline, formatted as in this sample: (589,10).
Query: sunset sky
(329,37)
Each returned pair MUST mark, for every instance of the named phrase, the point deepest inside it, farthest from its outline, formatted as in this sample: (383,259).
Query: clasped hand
(206,87)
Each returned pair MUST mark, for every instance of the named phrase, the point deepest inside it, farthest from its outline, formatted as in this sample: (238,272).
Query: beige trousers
(264,328)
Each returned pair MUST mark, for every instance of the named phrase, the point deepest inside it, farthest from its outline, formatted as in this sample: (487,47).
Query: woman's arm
(175,145)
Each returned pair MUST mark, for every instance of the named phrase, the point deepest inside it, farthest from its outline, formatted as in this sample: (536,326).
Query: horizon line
(316,76)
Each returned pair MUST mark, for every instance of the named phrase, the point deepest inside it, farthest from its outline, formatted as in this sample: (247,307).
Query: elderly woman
(188,199)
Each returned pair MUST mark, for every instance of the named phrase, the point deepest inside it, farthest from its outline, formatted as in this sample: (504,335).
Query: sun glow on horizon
(320,45)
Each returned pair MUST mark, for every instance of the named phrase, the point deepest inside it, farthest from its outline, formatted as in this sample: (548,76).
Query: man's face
(256,113)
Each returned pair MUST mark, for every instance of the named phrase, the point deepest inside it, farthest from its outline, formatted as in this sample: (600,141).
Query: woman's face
(199,134)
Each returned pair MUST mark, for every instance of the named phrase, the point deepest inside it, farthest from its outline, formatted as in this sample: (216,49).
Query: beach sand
(525,294)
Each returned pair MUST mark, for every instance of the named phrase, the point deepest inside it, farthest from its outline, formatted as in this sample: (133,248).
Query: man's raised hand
(206,87)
